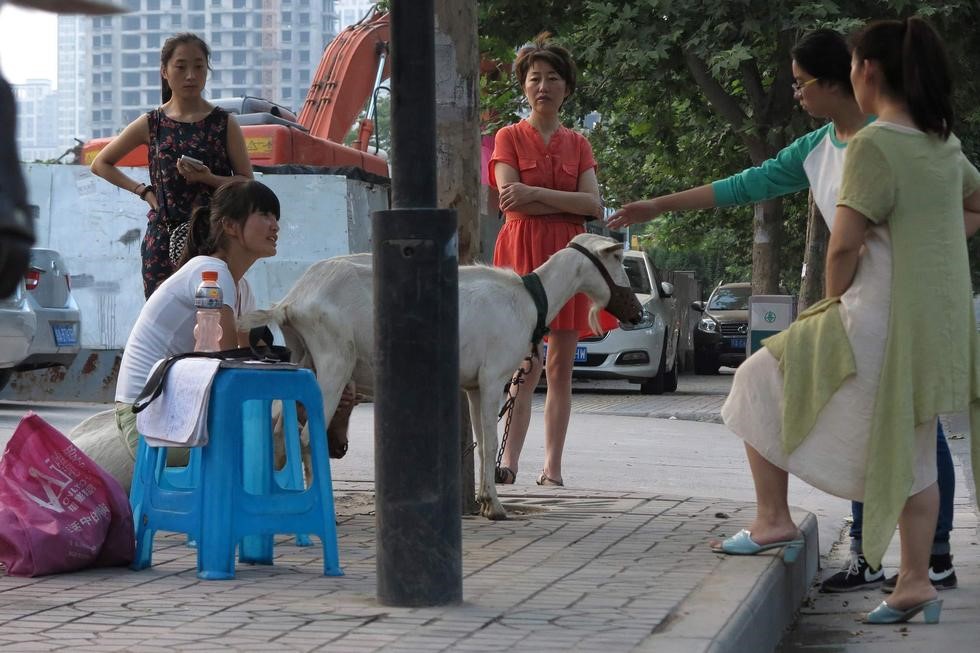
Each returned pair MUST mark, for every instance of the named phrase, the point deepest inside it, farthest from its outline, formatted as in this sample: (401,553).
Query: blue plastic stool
(229,494)
(290,477)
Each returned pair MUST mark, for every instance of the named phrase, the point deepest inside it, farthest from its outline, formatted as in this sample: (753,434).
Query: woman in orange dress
(546,176)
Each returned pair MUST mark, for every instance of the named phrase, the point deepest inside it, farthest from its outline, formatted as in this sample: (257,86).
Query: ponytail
(928,86)
(201,241)
(915,68)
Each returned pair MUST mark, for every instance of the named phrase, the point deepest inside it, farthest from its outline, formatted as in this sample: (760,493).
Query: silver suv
(644,353)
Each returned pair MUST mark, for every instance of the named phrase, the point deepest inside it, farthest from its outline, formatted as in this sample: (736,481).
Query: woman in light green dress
(871,367)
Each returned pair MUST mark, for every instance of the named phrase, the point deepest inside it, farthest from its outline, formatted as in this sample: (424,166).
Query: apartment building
(351,11)
(37,113)
(268,48)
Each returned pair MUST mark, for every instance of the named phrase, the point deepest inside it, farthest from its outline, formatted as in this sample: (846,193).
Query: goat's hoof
(493,512)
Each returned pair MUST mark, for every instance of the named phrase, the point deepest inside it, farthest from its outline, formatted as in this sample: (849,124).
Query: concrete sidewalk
(572,569)
(588,571)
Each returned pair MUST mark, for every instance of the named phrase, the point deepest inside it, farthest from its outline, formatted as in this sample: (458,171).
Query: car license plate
(581,355)
(738,343)
(64,335)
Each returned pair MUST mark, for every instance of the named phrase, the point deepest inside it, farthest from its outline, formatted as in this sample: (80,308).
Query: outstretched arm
(702,197)
(780,175)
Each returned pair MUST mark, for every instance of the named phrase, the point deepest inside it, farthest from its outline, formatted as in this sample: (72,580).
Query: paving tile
(587,572)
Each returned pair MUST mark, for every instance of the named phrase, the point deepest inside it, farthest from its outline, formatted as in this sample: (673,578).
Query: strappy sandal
(544,480)
(504,476)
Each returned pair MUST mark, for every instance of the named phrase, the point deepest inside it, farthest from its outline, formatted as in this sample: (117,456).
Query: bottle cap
(209,275)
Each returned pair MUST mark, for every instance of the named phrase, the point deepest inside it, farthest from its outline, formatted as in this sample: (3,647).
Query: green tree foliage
(694,91)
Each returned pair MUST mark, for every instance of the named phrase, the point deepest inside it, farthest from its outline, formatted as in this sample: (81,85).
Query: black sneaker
(941,574)
(855,575)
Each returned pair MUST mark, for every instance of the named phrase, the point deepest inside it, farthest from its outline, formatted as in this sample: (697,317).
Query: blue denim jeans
(947,489)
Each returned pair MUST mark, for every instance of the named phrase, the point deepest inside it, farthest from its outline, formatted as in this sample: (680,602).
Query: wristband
(147,189)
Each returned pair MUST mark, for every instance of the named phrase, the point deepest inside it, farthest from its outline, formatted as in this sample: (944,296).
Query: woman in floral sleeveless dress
(185,125)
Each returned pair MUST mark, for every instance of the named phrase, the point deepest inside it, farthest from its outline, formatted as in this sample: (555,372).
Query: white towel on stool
(179,416)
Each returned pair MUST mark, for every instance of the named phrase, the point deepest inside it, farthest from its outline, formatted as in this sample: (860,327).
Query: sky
(28,45)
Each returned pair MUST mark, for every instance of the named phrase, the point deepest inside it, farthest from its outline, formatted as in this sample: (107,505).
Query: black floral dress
(206,140)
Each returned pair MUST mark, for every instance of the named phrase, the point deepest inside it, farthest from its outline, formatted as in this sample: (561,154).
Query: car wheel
(658,384)
(705,363)
(5,375)
(670,381)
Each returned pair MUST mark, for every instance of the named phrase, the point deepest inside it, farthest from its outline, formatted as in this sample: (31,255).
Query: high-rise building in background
(351,11)
(266,48)
(74,113)
(37,114)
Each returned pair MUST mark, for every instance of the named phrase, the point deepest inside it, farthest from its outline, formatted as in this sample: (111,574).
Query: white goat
(327,321)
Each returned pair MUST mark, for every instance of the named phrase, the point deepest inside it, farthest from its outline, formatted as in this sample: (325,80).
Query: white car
(59,323)
(645,353)
(17,326)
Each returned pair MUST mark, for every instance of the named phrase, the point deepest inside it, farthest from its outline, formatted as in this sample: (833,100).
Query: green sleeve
(778,176)
(868,184)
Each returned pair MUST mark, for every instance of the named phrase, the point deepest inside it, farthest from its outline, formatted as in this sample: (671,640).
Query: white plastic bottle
(208,300)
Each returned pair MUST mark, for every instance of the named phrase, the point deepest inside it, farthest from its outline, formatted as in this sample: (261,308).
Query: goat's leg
(333,371)
(483,413)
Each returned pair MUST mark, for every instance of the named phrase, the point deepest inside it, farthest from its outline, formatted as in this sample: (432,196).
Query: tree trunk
(814,257)
(767,231)
(458,158)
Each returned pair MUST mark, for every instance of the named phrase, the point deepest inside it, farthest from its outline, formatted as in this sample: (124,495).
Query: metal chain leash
(508,408)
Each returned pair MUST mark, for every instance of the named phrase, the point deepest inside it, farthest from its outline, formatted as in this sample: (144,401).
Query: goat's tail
(275,315)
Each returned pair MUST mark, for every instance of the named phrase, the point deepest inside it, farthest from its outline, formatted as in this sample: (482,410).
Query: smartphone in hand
(191,160)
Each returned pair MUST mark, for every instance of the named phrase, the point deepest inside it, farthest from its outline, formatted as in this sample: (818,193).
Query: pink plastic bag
(59,511)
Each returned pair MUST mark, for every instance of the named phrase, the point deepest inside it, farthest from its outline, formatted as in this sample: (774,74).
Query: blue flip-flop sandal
(742,544)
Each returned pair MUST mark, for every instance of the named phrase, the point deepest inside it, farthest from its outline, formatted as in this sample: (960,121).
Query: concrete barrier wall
(98,229)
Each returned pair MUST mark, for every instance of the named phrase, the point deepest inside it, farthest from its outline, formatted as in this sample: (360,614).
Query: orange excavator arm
(352,66)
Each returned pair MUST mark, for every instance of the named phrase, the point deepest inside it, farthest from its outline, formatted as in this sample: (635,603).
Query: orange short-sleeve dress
(526,241)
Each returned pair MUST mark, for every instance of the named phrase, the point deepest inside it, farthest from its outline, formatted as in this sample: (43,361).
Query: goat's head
(610,289)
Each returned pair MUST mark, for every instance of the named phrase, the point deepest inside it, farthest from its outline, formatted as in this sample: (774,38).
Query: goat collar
(532,282)
(623,303)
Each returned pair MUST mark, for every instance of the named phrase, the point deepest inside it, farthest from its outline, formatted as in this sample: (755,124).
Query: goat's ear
(610,248)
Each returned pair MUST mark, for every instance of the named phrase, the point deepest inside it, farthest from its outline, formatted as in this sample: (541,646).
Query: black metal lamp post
(417,445)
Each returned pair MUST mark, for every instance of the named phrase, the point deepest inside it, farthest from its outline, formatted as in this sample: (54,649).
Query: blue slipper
(885,614)
(742,544)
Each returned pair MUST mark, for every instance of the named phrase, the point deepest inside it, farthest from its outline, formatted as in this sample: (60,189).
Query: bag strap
(260,348)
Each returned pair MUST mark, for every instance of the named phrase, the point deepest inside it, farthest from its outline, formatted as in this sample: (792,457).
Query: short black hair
(544,49)
(824,53)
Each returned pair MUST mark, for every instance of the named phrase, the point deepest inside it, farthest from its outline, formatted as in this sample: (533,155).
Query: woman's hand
(151,199)
(192,172)
(634,213)
(514,194)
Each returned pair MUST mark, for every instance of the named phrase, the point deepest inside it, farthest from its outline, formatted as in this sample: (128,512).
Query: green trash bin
(768,315)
